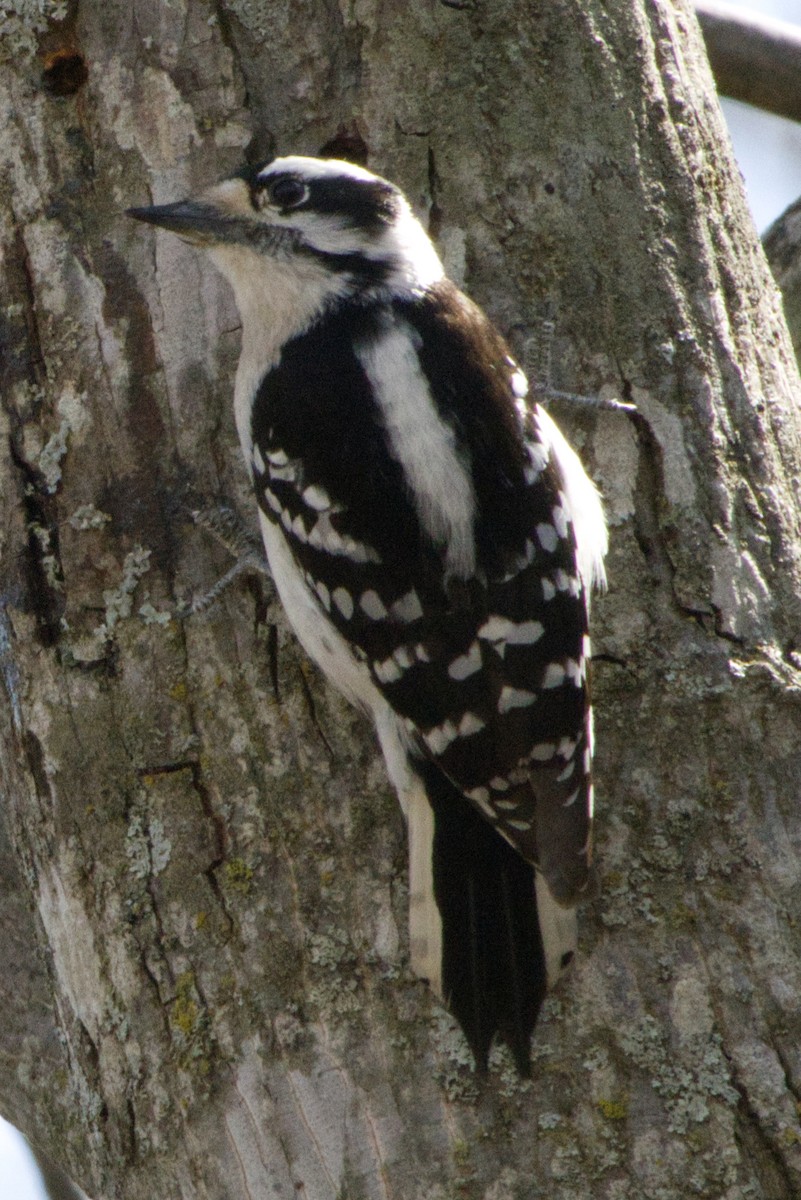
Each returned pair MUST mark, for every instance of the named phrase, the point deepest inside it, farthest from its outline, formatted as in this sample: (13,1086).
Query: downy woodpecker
(434,541)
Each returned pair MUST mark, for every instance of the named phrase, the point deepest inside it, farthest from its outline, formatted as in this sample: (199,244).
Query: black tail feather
(493,965)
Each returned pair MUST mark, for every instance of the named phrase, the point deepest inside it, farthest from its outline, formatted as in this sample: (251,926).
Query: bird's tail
(476,932)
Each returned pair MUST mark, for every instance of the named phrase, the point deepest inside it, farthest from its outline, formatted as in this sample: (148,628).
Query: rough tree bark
(203,882)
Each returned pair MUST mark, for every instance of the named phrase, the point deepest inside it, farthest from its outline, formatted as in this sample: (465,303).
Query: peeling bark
(203,892)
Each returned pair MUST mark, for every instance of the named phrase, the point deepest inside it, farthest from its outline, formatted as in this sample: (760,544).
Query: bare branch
(753,58)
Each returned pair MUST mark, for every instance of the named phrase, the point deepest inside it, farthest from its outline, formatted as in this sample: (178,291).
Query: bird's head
(306,222)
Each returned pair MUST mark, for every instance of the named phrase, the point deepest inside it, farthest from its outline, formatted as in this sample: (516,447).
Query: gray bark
(205,898)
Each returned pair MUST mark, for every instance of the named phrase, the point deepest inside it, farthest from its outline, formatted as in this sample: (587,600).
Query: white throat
(277,301)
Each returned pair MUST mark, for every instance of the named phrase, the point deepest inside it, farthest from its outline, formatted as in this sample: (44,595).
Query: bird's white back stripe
(439,481)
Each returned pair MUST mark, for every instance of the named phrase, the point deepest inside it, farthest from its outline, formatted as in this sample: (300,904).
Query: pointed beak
(196,222)
(224,214)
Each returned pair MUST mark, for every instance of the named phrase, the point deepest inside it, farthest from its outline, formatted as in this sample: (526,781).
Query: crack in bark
(217,823)
(649,486)
(41,594)
(311,709)
(36,362)
(792,1088)
(263,628)
(612,659)
(221,834)
(752,1125)
(272,656)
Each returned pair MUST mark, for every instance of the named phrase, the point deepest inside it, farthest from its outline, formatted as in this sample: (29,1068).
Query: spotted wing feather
(487,671)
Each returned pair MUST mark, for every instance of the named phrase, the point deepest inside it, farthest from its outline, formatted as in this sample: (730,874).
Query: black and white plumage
(434,542)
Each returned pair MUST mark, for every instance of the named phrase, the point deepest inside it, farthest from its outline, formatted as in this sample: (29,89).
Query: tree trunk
(205,896)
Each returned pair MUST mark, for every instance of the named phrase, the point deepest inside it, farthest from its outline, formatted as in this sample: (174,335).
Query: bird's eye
(287,192)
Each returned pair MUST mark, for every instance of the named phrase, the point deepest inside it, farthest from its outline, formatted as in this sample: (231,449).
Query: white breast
(313,628)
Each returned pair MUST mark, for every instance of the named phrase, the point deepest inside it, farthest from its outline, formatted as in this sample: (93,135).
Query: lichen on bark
(203,910)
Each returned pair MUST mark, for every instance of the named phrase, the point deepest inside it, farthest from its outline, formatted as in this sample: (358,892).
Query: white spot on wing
(524,634)
(407,608)
(372,605)
(387,671)
(554,675)
(257,460)
(466,664)
(502,632)
(322,641)
(543,751)
(480,797)
(470,724)
(519,384)
(520,562)
(500,784)
(344,602)
(575,671)
(316,498)
(512,697)
(538,460)
(560,518)
(288,473)
(323,536)
(440,737)
(548,538)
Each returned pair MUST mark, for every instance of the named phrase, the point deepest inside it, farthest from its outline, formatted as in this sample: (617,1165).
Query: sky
(768,150)
(18,1177)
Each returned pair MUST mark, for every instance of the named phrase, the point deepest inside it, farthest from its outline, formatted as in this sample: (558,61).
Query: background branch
(754,58)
